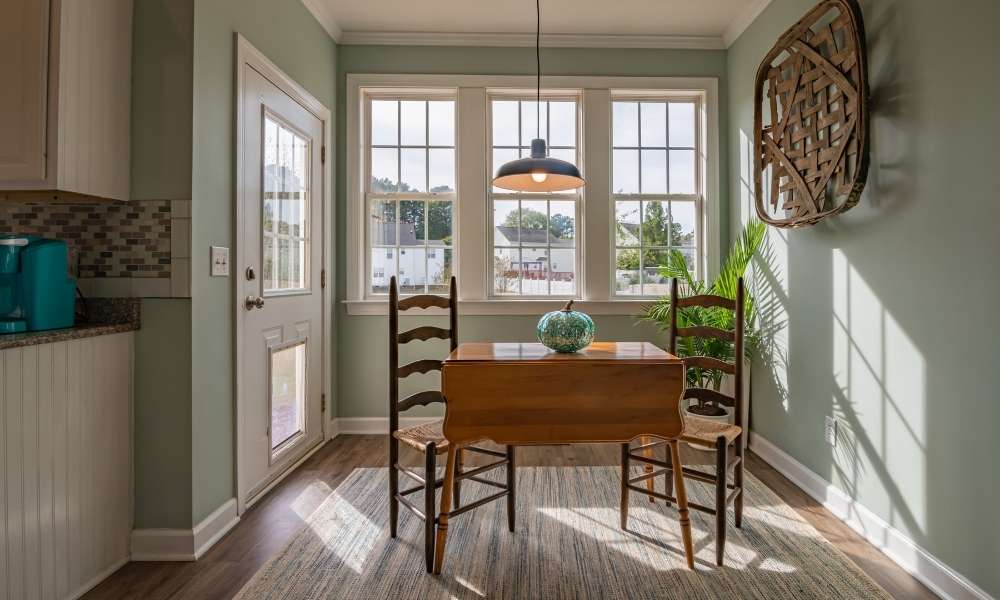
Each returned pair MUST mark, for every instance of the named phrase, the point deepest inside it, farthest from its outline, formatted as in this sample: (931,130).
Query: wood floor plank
(271,523)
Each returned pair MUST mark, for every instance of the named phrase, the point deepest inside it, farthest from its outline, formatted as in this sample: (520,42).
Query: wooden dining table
(525,394)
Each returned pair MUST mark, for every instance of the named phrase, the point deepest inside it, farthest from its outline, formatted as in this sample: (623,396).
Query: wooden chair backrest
(425,332)
(735,336)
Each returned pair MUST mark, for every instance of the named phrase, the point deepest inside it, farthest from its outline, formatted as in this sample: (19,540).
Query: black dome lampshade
(539,172)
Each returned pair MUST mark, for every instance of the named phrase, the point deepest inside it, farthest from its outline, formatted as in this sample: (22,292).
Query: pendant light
(539,172)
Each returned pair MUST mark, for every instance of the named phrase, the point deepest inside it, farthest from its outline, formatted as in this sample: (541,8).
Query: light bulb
(539,176)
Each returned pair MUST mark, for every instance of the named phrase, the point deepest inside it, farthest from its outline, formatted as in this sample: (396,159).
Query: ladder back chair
(703,433)
(428,438)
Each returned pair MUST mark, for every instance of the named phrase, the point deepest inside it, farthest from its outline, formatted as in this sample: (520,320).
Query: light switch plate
(220,261)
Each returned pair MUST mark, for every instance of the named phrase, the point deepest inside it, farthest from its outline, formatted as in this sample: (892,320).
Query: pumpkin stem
(568,307)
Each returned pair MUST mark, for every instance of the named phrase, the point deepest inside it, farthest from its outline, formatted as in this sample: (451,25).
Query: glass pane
(506,271)
(566,154)
(383,223)
(654,282)
(288,393)
(534,271)
(562,271)
(627,272)
(682,124)
(505,123)
(439,222)
(534,222)
(385,122)
(439,270)
(442,122)
(627,223)
(653,124)
(270,274)
(412,270)
(500,156)
(562,223)
(285,209)
(689,258)
(562,123)
(655,224)
(529,129)
(625,123)
(682,172)
(442,170)
(413,123)
(505,223)
(383,268)
(385,165)
(411,223)
(626,172)
(413,170)
(654,171)
(683,228)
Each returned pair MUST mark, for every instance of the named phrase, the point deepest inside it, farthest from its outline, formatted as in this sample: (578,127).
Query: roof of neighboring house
(507,235)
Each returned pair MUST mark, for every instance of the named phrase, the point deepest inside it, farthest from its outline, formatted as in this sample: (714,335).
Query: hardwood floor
(266,527)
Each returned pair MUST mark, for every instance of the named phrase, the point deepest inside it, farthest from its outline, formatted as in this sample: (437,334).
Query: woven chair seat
(420,436)
(704,432)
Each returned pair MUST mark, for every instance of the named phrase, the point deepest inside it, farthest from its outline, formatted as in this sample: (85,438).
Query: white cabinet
(65,98)
(65,465)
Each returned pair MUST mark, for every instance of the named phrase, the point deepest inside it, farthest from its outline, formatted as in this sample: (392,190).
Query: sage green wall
(163,35)
(886,316)
(363,350)
(289,35)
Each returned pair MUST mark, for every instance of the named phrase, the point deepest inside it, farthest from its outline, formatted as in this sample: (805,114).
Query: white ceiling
(643,23)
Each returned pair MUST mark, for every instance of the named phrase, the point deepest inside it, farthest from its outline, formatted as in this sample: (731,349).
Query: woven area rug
(567,544)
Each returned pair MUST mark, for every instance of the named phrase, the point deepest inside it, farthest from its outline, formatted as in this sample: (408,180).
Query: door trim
(246,54)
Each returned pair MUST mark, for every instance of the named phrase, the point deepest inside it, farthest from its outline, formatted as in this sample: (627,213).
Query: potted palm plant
(724,284)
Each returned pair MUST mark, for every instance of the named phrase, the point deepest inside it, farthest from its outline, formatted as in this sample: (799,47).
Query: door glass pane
(288,393)
(285,208)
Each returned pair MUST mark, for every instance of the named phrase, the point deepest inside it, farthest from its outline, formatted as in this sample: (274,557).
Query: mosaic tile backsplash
(130,239)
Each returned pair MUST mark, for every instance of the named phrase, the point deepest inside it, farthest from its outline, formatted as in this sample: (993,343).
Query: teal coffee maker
(36,291)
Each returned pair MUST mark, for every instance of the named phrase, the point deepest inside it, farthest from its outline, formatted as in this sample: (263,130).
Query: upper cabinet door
(24,44)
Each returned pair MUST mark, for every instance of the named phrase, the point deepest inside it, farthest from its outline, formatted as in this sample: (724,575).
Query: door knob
(253,302)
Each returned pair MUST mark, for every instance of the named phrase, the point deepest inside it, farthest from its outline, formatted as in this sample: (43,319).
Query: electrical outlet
(220,261)
(830,431)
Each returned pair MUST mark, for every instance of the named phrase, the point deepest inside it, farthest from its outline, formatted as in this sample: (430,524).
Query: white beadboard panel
(66,485)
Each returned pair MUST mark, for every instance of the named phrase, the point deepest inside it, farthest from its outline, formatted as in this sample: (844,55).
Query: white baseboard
(913,559)
(184,544)
(375,425)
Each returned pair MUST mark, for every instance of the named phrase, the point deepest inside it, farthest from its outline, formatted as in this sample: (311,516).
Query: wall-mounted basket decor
(811,118)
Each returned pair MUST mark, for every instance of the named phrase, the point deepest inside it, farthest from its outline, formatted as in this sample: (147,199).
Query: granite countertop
(95,316)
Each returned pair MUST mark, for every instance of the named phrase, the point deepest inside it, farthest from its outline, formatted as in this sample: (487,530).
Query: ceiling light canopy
(539,172)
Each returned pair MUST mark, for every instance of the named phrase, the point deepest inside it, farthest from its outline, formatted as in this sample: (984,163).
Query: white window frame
(472,213)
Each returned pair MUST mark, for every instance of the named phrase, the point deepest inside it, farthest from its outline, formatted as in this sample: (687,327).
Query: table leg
(682,503)
(648,468)
(446,491)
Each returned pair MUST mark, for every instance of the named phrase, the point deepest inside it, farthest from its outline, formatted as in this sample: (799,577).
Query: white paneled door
(280,283)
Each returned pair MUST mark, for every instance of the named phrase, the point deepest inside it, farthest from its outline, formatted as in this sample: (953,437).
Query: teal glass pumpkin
(566,330)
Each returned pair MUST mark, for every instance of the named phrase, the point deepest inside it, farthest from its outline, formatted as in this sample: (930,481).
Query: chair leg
(648,468)
(459,460)
(511,488)
(623,511)
(430,515)
(682,504)
(738,481)
(721,475)
(393,486)
(668,478)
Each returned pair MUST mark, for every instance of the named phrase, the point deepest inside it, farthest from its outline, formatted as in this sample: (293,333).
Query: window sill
(508,307)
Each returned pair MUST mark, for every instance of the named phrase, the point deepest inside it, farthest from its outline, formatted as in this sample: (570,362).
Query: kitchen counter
(102,316)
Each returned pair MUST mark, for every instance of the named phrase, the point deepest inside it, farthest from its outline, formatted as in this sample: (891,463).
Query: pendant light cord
(538,69)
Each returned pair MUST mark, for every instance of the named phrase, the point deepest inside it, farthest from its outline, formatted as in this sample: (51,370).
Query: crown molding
(743,20)
(324,15)
(551,40)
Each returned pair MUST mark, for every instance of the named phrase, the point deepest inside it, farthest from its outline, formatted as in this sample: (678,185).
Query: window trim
(596,254)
